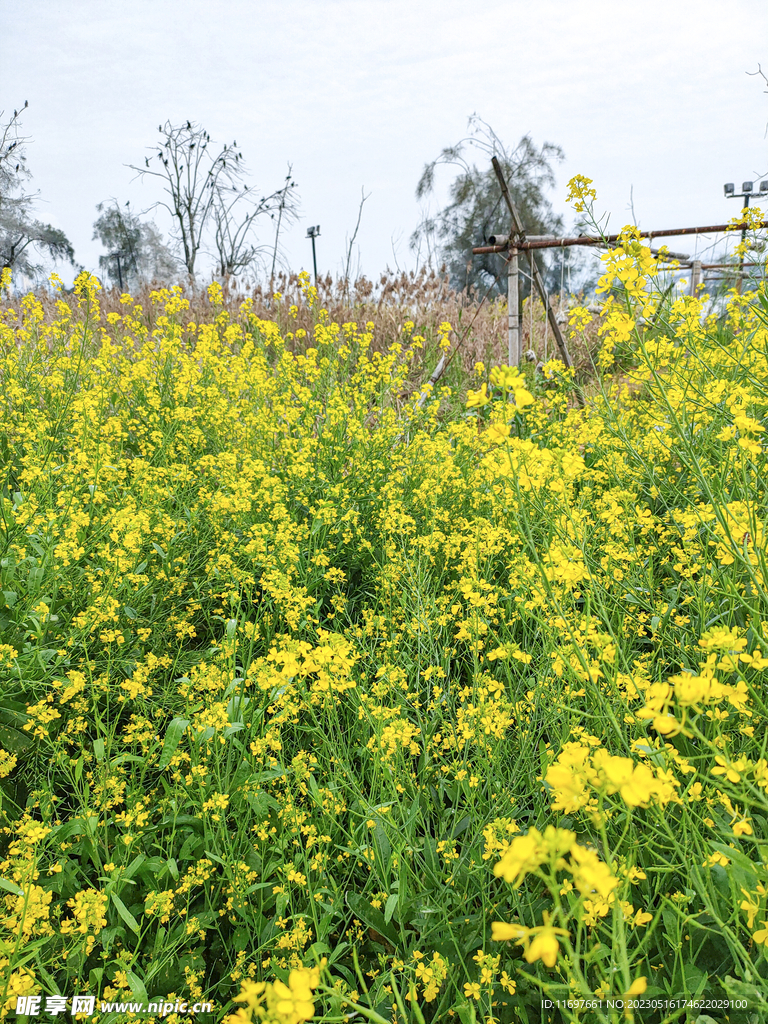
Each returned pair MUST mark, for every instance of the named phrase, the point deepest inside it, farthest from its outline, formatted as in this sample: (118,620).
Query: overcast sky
(653,97)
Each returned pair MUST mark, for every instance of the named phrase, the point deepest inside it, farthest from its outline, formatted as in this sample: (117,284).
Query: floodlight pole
(745,194)
(314,233)
(116,256)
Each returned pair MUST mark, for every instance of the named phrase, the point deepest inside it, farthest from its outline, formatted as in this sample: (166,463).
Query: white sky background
(353,93)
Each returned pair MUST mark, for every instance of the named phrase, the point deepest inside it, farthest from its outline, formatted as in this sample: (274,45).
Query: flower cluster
(294,651)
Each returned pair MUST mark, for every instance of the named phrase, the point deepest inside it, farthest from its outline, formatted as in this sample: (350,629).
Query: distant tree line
(215,213)
(24,239)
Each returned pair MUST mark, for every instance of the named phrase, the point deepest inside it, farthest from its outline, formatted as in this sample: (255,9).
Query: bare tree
(287,209)
(235,248)
(13,161)
(193,175)
(363,199)
(205,187)
(764,77)
(22,236)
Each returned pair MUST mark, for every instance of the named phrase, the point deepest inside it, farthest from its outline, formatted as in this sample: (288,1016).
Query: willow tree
(476,209)
(24,239)
(136,251)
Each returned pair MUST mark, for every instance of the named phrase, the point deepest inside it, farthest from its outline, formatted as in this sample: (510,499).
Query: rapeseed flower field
(326,700)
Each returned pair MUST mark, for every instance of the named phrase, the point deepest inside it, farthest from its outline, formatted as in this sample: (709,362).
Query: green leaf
(461,826)
(737,989)
(173,735)
(382,843)
(694,979)
(389,909)
(372,917)
(94,978)
(134,866)
(466,1011)
(125,913)
(138,991)
(256,887)
(738,859)
(11,887)
(122,758)
(190,849)
(14,740)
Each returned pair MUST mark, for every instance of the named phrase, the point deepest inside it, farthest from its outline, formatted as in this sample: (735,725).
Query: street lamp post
(747,191)
(117,255)
(314,233)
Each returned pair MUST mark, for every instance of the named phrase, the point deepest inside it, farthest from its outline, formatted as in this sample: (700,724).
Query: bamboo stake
(513,305)
(520,243)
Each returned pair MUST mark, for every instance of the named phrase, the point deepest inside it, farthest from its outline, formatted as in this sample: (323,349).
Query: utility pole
(518,231)
(314,233)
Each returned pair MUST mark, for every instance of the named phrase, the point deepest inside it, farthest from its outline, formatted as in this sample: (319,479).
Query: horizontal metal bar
(497,240)
(728,266)
(562,243)
(504,239)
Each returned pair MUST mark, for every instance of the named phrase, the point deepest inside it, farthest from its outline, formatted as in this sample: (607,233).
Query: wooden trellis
(517,241)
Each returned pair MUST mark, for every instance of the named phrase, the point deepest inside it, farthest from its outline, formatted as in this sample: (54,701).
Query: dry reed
(422,297)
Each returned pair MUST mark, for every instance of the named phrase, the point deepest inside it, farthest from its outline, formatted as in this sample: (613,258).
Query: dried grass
(422,297)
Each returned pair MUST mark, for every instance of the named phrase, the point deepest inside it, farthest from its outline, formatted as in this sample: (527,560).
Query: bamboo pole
(561,243)
(513,306)
(535,274)
(695,276)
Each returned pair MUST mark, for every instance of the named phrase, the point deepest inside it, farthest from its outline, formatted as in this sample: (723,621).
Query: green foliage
(136,252)
(23,238)
(476,209)
(446,708)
